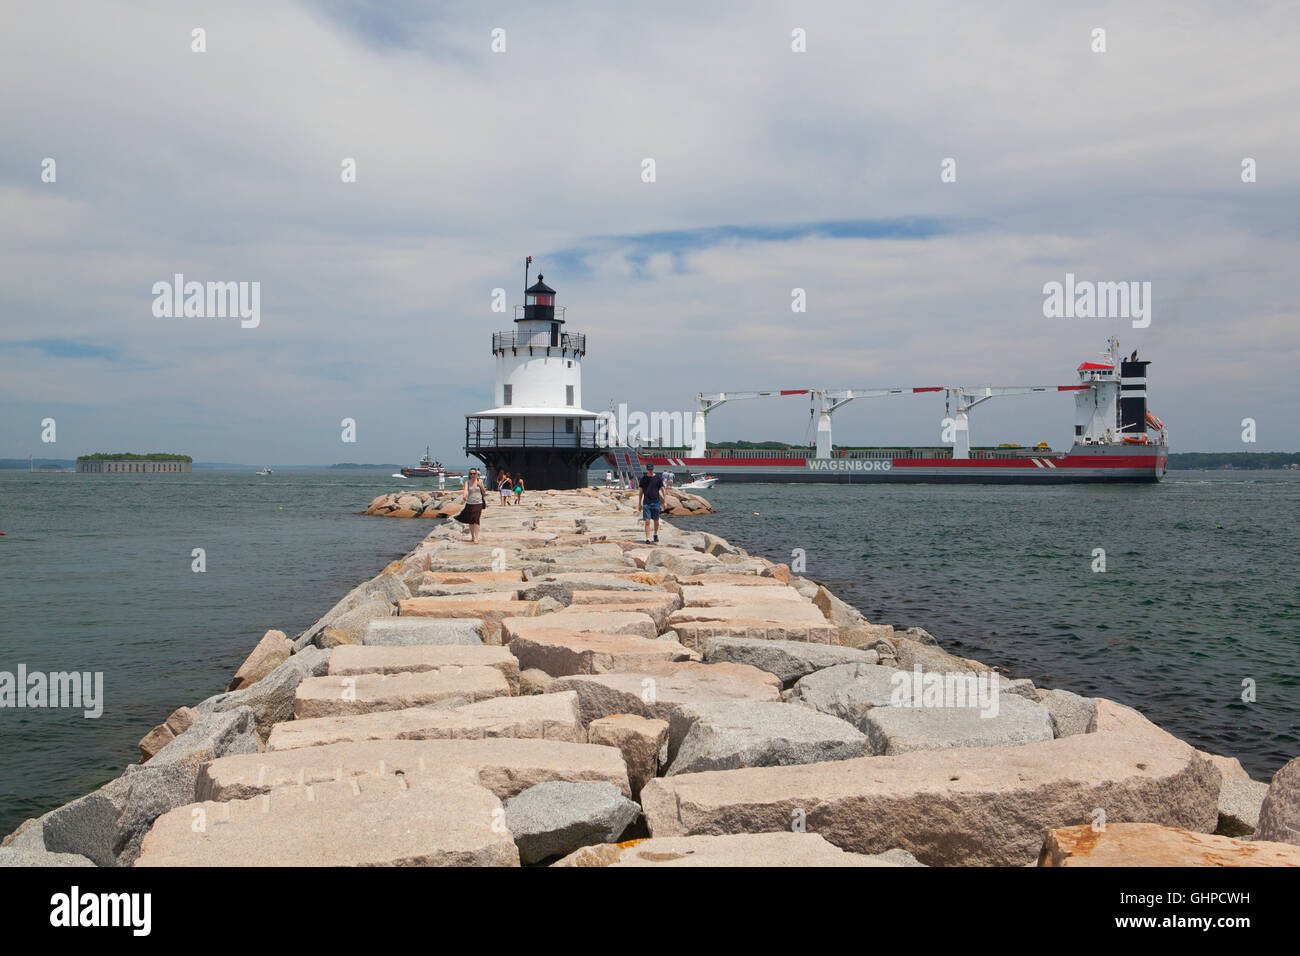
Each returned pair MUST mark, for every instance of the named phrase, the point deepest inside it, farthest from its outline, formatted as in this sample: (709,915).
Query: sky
(775,170)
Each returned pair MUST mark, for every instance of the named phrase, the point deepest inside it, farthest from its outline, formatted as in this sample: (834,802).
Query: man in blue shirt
(649,502)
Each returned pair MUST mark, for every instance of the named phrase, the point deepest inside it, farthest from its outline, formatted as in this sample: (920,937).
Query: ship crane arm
(968,396)
(832,399)
(706,402)
(972,395)
(829,399)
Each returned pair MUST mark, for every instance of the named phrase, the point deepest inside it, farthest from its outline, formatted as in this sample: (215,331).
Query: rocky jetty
(564,694)
(444,504)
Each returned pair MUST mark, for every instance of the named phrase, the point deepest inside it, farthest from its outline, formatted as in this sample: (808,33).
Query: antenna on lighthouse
(527,262)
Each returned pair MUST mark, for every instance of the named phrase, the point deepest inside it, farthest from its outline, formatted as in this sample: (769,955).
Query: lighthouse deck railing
(562,342)
(492,433)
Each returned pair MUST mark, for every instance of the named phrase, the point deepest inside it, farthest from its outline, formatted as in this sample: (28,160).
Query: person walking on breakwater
(648,500)
(475,501)
(519,487)
(503,486)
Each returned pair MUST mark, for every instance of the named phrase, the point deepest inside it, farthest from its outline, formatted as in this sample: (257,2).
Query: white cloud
(225,165)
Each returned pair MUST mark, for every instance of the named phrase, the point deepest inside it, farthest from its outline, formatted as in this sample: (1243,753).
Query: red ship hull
(1083,463)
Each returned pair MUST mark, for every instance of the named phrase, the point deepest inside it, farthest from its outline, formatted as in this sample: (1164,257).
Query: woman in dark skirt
(474,500)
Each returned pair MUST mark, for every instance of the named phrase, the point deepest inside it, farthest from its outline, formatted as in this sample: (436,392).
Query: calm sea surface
(1201,591)
(95,575)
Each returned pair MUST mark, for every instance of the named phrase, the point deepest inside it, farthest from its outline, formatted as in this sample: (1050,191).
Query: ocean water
(96,575)
(1199,600)
(1200,591)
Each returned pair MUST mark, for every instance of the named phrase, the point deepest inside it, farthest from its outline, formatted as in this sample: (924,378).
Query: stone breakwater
(445,504)
(563,693)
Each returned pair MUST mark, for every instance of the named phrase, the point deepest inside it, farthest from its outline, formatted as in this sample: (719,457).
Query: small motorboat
(699,483)
(398,474)
(264,471)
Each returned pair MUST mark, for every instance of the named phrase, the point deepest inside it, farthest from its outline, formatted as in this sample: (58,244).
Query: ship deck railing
(877,454)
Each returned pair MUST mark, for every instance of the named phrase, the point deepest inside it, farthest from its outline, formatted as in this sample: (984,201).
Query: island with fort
(125,462)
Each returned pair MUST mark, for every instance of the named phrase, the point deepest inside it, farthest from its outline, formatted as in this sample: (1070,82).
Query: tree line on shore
(132,456)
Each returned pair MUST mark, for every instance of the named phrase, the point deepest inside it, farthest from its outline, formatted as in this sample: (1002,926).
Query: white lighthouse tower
(537,427)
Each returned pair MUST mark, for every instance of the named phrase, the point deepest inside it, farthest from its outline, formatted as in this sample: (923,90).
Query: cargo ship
(1116,439)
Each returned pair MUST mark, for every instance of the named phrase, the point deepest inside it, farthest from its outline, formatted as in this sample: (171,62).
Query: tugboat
(427,468)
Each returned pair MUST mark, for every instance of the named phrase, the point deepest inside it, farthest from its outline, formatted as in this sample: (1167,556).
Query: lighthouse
(537,426)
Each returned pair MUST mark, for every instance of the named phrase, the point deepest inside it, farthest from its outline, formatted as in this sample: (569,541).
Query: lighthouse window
(509,395)
(568,395)
(505,427)
(568,425)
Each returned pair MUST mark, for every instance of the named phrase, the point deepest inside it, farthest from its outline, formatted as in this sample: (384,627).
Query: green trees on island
(132,456)
(1233,459)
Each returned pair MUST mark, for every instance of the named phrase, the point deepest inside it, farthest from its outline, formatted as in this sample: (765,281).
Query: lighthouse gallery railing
(490,432)
(574,342)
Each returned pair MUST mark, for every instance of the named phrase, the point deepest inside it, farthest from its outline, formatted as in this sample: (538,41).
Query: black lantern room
(539,302)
